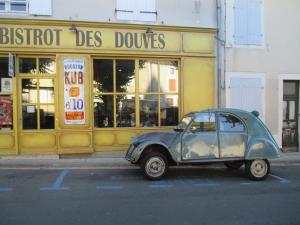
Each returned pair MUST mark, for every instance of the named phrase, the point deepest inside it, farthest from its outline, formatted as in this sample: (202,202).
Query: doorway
(290,113)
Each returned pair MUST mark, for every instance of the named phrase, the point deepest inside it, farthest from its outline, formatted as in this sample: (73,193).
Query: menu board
(6,111)
(74,101)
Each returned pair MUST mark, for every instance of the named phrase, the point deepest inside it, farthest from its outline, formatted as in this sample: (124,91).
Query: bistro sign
(88,38)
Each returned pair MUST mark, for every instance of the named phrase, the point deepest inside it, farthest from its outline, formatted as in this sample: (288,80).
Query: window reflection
(125,76)
(47,116)
(148,76)
(27,65)
(229,123)
(148,110)
(29,90)
(46,90)
(125,111)
(29,115)
(168,110)
(47,65)
(204,122)
(104,111)
(168,76)
(103,75)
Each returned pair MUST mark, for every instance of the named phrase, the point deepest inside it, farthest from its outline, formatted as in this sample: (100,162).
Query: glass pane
(125,111)
(20,7)
(125,76)
(104,111)
(27,65)
(47,116)
(284,108)
(29,91)
(148,110)
(168,110)
(289,88)
(148,78)
(168,76)
(204,122)
(231,124)
(29,115)
(103,75)
(6,113)
(47,65)
(292,109)
(46,90)
(3,66)
(2,6)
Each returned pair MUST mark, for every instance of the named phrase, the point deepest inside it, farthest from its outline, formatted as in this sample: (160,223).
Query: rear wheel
(154,165)
(234,165)
(257,169)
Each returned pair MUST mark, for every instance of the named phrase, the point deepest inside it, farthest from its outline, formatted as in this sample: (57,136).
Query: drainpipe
(219,63)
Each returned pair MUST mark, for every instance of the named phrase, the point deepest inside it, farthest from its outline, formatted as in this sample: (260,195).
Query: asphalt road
(187,196)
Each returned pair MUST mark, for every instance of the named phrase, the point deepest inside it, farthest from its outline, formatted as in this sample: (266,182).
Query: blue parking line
(57,184)
(206,184)
(250,183)
(161,184)
(109,187)
(281,180)
(6,189)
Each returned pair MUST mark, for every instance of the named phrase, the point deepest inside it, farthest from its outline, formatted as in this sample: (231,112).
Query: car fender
(140,148)
(261,148)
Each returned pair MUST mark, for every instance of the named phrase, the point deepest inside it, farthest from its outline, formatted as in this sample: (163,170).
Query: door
(232,135)
(201,139)
(290,115)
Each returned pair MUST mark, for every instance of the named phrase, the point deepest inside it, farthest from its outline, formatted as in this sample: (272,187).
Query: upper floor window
(32,7)
(15,6)
(248,22)
(136,10)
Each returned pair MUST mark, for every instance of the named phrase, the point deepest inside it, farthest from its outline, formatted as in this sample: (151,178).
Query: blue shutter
(125,9)
(254,22)
(240,22)
(147,10)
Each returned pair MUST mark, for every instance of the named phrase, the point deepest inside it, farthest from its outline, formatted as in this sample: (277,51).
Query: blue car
(230,136)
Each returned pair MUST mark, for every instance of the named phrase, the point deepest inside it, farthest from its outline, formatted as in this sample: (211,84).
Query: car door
(200,140)
(232,136)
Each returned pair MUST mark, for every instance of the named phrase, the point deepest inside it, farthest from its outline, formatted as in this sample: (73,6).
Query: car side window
(230,123)
(204,122)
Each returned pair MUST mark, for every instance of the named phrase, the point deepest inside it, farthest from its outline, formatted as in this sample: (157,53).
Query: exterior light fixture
(73,29)
(149,31)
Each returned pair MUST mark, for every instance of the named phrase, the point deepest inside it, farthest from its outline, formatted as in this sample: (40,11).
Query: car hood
(164,137)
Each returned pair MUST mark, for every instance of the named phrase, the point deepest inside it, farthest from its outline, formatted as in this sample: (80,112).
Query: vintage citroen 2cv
(230,136)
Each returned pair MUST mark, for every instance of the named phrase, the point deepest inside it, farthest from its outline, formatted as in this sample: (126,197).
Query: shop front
(70,88)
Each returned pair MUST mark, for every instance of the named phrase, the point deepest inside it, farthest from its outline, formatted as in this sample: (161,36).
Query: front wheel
(154,165)
(257,169)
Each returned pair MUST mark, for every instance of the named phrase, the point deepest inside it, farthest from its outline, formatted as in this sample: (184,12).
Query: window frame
(137,93)
(245,131)
(38,76)
(8,3)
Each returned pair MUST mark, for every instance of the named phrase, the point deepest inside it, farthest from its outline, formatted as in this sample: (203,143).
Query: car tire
(234,165)
(257,169)
(154,165)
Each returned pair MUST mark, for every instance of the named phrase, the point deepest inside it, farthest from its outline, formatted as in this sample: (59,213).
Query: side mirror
(193,129)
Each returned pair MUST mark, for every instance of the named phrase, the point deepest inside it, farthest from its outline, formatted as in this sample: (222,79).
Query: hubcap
(259,168)
(155,166)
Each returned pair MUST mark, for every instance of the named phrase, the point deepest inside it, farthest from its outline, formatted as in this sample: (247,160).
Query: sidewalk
(97,160)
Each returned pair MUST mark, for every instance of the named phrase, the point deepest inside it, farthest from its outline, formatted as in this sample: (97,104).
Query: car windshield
(184,122)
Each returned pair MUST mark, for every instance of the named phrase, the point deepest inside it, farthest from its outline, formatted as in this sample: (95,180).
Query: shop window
(116,93)
(38,96)
(6,100)
(154,77)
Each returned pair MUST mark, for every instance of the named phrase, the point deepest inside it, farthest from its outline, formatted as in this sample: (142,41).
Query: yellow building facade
(78,87)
